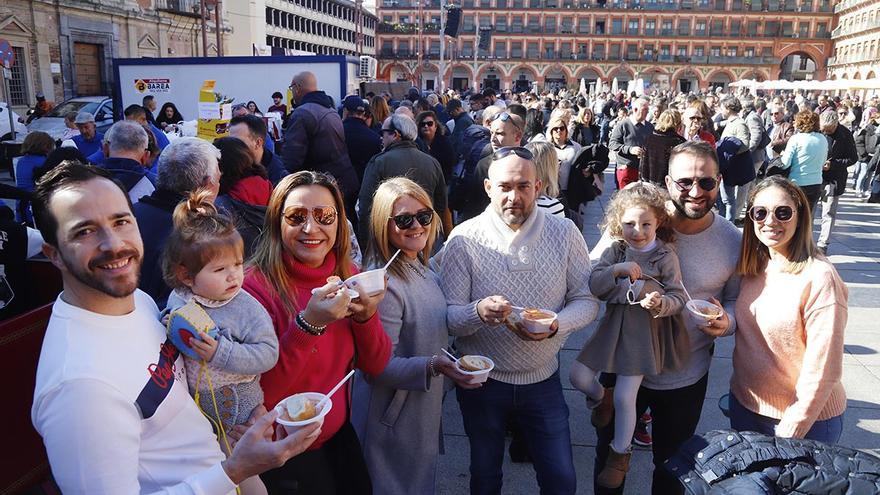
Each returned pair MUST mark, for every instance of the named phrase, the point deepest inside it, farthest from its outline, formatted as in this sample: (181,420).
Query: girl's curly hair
(641,195)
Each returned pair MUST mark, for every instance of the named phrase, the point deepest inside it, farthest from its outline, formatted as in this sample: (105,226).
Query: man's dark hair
(518,110)
(146,99)
(68,174)
(277,94)
(696,148)
(489,92)
(454,104)
(134,111)
(255,124)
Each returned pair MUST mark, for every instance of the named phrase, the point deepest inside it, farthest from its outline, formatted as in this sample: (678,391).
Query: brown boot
(604,412)
(616,467)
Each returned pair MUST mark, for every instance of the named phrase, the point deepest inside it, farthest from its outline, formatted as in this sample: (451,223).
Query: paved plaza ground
(855,252)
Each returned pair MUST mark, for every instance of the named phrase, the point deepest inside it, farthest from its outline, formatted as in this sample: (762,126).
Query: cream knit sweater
(788,359)
(545,264)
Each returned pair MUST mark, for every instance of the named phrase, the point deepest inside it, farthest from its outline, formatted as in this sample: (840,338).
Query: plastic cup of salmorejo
(703,311)
(476,367)
(537,320)
(301,409)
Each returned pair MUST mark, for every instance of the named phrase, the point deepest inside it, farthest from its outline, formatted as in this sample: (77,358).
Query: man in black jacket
(363,143)
(314,139)
(841,154)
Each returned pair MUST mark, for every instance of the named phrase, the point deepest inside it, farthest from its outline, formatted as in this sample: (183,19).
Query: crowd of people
(475,204)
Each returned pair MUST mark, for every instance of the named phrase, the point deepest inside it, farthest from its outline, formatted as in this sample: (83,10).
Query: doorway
(87,67)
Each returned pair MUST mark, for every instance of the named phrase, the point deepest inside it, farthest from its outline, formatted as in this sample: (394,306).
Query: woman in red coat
(322,335)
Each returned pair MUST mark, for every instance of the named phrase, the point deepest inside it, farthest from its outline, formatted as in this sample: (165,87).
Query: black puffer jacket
(747,463)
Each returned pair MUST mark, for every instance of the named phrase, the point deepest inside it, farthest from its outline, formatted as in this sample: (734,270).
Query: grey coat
(397,414)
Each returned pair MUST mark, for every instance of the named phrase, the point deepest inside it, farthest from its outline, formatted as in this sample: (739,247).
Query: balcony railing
(598,57)
(856,27)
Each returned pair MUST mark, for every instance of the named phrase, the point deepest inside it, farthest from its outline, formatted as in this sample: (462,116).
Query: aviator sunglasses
(705,183)
(297,215)
(404,221)
(781,213)
(512,150)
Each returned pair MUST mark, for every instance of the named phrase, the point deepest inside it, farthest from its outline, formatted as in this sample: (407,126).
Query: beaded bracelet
(431,368)
(308,327)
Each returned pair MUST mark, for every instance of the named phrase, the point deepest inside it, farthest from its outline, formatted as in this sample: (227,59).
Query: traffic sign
(7,56)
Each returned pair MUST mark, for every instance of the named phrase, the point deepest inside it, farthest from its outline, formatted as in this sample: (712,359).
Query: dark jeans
(676,414)
(542,414)
(337,468)
(813,193)
(742,419)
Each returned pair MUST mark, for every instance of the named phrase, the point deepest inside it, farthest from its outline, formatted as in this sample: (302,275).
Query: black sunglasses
(427,123)
(404,221)
(705,183)
(512,150)
(782,213)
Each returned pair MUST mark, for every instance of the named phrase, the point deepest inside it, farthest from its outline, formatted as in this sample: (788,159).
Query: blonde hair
(269,253)
(379,108)
(669,120)
(639,195)
(200,235)
(379,248)
(581,116)
(754,255)
(547,166)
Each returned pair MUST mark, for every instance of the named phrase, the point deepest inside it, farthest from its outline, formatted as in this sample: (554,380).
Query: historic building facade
(323,27)
(856,40)
(66,48)
(679,44)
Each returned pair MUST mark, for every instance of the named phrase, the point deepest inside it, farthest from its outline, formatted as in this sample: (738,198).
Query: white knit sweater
(545,264)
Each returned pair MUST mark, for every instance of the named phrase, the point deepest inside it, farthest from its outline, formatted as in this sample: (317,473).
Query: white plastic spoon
(449,354)
(392,259)
(320,405)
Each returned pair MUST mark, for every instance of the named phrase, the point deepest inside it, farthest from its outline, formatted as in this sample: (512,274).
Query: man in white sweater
(111,399)
(515,254)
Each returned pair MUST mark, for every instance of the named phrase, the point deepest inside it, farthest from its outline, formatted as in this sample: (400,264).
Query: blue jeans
(742,419)
(542,414)
(726,202)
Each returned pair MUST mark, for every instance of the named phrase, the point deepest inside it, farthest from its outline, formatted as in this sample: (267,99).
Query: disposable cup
(292,426)
(538,325)
(477,376)
(703,311)
(372,281)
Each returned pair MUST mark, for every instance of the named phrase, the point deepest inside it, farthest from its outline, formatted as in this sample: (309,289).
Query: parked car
(5,132)
(53,122)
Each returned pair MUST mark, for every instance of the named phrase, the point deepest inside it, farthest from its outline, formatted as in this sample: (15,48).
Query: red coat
(307,363)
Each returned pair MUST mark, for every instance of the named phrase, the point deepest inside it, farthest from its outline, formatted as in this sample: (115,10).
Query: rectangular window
(533,50)
(614,54)
(719,4)
(600,27)
(549,50)
(583,25)
(501,4)
(665,50)
(735,28)
(749,52)
(666,28)
(650,27)
(403,48)
(500,49)
(549,25)
(598,52)
(715,51)
(632,51)
(516,50)
(699,51)
(731,51)
(804,30)
(517,26)
(788,29)
(435,48)
(632,27)
(684,27)
(822,30)
(518,4)
(737,5)
(467,49)
(649,52)
(565,50)
(484,4)
(534,24)
(752,29)
(567,25)
(717,28)
(501,24)
(468,24)
(617,26)
(771,29)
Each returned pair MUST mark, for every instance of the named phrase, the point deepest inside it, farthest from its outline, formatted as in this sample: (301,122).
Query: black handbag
(775,167)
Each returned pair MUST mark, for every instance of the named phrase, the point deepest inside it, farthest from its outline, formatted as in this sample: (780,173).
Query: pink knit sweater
(788,359)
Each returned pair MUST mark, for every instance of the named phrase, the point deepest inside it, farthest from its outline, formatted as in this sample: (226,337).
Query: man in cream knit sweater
(514,254)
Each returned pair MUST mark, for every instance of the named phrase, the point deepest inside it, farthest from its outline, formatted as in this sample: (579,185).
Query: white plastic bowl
(372,281)
(541,325)
(292,426)
(476,376)
(703,311)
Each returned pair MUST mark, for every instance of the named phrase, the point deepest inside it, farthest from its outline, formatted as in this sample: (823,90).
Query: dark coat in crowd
(735,165)
(841,154)
(400,159)
(726,462)
(585,135)
(248,220)
(594,159)
(655,162)
(363,144)
(866,139)
(462,123)
(154,219)
(273,165)
(441,149)
(314,139)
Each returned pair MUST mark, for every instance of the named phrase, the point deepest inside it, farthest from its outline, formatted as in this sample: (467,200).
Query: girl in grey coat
(397,413)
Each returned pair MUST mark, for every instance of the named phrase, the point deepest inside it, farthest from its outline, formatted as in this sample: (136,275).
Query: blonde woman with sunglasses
(790,314)
(397,413)
(323,331)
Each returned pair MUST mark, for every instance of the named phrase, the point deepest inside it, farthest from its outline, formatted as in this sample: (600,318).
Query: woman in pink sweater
(790,317)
